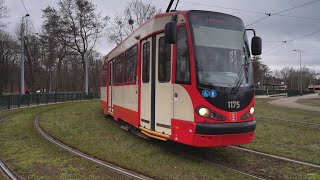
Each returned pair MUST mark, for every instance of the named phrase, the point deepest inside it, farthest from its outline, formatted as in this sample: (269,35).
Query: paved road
(290,102)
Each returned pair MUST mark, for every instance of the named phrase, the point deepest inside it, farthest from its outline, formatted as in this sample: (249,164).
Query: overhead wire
(267,16)
(222,7)
(249,11)
(279,12)
(291,40)
(176,5)
(274,47)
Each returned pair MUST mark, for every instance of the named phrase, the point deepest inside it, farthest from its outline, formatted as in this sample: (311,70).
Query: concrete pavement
(290,102)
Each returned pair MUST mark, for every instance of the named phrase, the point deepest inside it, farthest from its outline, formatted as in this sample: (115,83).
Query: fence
(16,101)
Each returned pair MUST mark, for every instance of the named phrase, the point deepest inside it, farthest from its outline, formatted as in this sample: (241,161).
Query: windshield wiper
(243,68)
(243,73)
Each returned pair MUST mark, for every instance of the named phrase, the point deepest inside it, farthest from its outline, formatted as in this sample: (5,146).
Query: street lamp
(22,56)
(300,78)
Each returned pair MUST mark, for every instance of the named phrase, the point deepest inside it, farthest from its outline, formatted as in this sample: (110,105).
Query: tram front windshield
(221,50)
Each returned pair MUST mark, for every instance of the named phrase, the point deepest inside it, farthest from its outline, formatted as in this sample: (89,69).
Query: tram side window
(118,70)
(104,76)
(164,61)
(130,65)
(110,67)
(146,62)
(183,62)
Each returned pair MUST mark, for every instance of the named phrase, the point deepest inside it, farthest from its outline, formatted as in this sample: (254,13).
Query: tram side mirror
(170,32)
(256,45)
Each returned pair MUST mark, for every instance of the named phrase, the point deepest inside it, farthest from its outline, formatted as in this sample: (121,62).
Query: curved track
(83,155)
(7,172)
(226,167)
(10,174)
(276,157)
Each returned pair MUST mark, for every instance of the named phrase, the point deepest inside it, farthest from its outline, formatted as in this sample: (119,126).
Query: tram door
(146,61)
(163,85)
(156,87)
(110,80)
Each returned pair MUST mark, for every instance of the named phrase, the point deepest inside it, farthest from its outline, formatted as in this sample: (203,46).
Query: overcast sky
(272,30)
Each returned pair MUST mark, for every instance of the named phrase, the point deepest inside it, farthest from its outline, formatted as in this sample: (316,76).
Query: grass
(83,126)
(287,139)
(2,176)
(32,157)
(263,108)
(9,112)
(310,102)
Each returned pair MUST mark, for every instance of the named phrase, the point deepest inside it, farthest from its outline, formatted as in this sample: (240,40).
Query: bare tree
(85,26)
(3,13)
(55,38)
(33,57)
(95,68)
(9,69)
(134,15)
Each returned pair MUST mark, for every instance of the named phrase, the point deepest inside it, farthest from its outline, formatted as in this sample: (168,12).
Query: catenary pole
(22,56)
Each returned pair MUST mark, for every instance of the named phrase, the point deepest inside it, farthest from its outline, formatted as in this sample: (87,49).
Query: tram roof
(136,32)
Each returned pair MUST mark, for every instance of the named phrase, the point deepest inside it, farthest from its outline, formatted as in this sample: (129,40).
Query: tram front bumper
(225,128)
(213,134)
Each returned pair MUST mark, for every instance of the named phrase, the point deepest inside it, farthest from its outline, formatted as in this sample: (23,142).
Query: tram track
(86,156)
(253,173)
(3,166)
(122,170)
(255,176)
(8,172)
(138,176)
(250,174)
(276,157)
(209,156)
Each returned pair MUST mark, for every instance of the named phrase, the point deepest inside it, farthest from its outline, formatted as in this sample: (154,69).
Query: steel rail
(7,172)
(6,117)
(241,172)
(10,174)
(277,157)
(226,167)
(86,156)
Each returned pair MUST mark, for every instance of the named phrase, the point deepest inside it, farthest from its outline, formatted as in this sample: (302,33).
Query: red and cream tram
(184,76)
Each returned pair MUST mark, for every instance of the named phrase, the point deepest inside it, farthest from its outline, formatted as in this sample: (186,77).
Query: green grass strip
(288,139)
(310,102)
(32,157)
(83,126)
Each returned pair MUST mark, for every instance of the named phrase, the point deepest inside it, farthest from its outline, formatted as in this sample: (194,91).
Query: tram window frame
(110,68)
(182,56)
(104,76)
(164,60)
(117,80)
(146,62)
(130,68)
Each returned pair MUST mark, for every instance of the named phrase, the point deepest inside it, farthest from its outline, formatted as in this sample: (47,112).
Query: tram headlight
(203,112)
(251,110)
(209,114)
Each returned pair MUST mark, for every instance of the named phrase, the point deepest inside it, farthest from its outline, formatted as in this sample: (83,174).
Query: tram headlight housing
(251,110)
(204,112)
(210,114)
(247,114)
